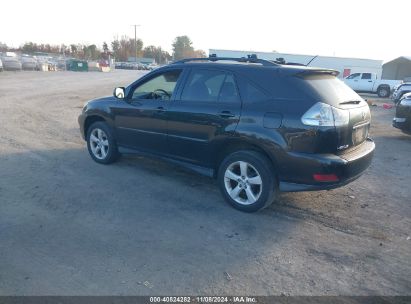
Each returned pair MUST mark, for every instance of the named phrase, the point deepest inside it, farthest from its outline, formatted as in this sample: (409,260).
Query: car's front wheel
(101,143)
(247,181)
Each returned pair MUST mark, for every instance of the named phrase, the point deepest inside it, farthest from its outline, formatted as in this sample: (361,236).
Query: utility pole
(135,41)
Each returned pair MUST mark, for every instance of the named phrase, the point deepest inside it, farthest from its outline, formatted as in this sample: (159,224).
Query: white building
(345,66)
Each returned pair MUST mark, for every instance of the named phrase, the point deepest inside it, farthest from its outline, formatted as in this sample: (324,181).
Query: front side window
(354,76)
(210,85)
(160,87)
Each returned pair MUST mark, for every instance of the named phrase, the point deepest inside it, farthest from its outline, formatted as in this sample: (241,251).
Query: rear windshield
(329,89)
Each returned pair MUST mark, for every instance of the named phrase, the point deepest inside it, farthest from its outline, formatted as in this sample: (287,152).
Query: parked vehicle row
(256,126)
(135,66)
(369,83)
(12,62)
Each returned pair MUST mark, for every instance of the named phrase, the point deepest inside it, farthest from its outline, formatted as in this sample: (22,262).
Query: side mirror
(119,92)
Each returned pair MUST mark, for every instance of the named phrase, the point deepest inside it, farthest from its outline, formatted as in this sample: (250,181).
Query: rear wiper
(350,102)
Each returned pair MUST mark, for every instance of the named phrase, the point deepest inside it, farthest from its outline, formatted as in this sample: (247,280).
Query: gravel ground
(69,226)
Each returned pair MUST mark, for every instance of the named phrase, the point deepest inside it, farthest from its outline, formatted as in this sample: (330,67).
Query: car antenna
(311,60)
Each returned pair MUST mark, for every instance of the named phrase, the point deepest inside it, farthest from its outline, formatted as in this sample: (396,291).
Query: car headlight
(406,102)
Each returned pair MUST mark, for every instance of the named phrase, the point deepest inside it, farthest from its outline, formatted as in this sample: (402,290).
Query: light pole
(135,41)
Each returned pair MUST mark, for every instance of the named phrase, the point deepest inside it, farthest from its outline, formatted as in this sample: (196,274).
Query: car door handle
(369,80)
(226,114)
(161,109)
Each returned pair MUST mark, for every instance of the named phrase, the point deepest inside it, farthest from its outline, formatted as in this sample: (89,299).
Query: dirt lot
(69,226)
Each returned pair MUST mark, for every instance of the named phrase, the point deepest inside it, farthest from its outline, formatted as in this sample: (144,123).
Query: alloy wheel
(99,143)
(243,182)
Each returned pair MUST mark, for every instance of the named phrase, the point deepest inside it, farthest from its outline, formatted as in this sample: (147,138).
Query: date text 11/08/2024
(234,299)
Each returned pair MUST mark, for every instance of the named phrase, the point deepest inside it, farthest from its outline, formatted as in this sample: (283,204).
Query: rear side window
(210,85)
(252,93)
(328,88)
(366,76)
(228,92)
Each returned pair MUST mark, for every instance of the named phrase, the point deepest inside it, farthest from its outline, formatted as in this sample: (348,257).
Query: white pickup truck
(368,82)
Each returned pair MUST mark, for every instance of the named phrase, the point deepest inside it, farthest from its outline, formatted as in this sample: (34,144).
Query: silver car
(28,63)
(11,63)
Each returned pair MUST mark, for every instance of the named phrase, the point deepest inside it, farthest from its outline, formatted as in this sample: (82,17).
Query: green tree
(150,51)
(93,52)
(73,49)
(157,53)
(140,45)
(29,47)
(182,47)
(115,46)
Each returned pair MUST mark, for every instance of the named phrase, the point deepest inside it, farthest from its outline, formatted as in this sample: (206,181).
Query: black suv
(259,127)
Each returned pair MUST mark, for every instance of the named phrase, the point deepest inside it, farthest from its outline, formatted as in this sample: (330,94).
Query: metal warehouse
(345,66)
(399,69)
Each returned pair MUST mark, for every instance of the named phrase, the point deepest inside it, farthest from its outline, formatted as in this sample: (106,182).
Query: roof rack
(213,58)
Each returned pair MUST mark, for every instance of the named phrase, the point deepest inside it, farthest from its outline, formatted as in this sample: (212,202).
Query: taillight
(322,114)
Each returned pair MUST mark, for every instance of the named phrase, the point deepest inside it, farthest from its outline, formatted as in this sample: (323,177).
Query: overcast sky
(347,28)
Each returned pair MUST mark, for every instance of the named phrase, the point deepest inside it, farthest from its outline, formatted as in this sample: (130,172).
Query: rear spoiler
(313,72)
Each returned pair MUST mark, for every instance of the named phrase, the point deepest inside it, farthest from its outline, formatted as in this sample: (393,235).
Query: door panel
(142,122)
(142,125)
(194,128)
(207,111)
(366,83)
(352,81)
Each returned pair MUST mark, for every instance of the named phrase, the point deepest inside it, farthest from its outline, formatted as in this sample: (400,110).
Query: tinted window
(330,89)
(253,94)
(228,92)
(366,76)
(203,85)
(160,87)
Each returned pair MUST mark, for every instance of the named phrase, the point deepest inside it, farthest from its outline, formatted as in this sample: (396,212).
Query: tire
(238,173)
(383,91)
(101,143)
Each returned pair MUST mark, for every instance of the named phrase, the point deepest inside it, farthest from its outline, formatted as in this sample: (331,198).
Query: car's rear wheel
(247,181)
(383,91)
(101,143)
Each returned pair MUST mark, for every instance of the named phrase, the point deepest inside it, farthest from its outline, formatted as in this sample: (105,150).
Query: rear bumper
(347,167)
(403,124)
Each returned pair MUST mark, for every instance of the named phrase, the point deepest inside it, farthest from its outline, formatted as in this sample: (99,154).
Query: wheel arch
(383,85)
(90,120)
(229,146)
